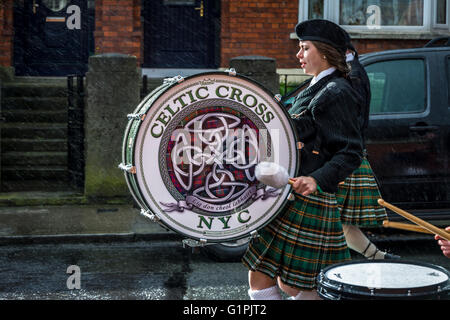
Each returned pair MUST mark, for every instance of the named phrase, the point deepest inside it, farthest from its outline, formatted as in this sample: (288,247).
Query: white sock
(307,295)
(357,240)
(271,293)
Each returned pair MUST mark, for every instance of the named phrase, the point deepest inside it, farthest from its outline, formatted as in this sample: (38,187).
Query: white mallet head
(272,174)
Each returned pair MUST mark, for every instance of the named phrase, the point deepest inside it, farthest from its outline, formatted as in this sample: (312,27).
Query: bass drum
(383,280)
(190,149)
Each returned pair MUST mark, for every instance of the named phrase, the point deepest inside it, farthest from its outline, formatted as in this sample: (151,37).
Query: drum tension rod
(254,234)
(231,71)
(194,243)
(176,79)
(153,217)
(128,168)
(136,116)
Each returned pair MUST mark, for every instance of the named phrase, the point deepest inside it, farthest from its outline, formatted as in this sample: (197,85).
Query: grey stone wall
(112,93)
(259,68)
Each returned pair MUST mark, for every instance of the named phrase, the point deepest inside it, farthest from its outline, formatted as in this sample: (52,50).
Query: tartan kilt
(357,198)
(303,239)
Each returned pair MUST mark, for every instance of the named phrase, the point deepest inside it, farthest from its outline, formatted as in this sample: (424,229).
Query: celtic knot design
(212,149)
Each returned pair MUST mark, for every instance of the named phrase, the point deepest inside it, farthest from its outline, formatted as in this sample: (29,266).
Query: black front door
(53,38)
(181,33)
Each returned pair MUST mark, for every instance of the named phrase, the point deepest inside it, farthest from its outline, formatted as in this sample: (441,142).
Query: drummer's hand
(445,245)
(304,185)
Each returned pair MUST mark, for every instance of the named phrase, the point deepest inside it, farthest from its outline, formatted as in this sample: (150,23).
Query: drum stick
(405,226)
(428,226)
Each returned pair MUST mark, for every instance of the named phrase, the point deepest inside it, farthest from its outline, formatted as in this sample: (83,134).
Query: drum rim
(394,293)
(128,176)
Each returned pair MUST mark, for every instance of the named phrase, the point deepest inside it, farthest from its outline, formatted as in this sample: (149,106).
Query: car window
(397,86)
(448,80)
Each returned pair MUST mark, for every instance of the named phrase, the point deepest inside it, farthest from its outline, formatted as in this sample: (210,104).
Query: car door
(405,139)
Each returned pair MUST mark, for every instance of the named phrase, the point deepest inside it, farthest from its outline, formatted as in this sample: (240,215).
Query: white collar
(349,57)
(321,75)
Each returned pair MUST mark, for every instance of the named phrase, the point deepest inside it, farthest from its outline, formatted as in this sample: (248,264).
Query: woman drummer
(357,196)
(307,236)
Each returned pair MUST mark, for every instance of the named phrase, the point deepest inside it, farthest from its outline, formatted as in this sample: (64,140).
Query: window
(441,13)
(315,9)
(448,80)
(388,13)
(379,15)
(397,86)
(55,5)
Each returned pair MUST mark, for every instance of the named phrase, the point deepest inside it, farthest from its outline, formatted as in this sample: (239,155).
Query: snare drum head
(385,278)
(195,150)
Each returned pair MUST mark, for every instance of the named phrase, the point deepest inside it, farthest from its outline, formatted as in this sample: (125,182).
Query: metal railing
(75,130)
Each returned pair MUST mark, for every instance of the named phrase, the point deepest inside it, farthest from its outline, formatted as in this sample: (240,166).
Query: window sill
(426,35)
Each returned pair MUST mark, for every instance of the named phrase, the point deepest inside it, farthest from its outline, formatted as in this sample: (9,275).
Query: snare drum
(190,149)
(382,279)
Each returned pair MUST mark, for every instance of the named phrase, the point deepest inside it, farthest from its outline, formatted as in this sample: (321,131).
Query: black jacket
(326,118)
(360,82)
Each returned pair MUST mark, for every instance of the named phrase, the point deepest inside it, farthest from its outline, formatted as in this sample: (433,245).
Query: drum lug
(254,234)
(136,116)
(153,217)
(176,79)
(128,168)
(278,97)
(231,72)
(194,243)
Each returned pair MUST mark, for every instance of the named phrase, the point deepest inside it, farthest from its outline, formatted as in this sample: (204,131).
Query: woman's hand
(445,245)
(304,185)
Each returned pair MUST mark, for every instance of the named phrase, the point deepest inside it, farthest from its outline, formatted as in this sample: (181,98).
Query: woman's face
(311,61)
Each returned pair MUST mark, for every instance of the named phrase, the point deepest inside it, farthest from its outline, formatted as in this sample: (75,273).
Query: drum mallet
(428,226)
(272,174)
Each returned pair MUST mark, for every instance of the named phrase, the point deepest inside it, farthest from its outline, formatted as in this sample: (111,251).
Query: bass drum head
(194,149)
(382,279)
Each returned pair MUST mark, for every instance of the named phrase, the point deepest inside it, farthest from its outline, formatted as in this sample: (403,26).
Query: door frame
(19,41)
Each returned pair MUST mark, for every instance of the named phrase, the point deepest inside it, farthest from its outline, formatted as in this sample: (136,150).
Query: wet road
(140,270)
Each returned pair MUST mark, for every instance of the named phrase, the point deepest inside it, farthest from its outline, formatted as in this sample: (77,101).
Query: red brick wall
(259,27)
(262,27)
(6,33)
(118,27)
(374,45)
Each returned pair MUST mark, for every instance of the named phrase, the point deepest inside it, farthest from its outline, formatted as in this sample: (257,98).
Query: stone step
(35,185)
(34,130)
(34,158)
(38,89)
(31,116)
(45,173)
(15,144)
(34,103)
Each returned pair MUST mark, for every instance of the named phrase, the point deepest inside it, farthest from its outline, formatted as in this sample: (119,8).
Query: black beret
(323,31)
(348,42)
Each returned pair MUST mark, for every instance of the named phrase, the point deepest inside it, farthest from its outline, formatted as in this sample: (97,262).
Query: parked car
(408,139)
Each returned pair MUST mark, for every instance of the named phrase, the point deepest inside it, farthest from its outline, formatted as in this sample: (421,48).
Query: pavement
(39,217)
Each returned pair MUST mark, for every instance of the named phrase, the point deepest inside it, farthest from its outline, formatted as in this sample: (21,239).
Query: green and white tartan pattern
(357,199)
(303,239)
